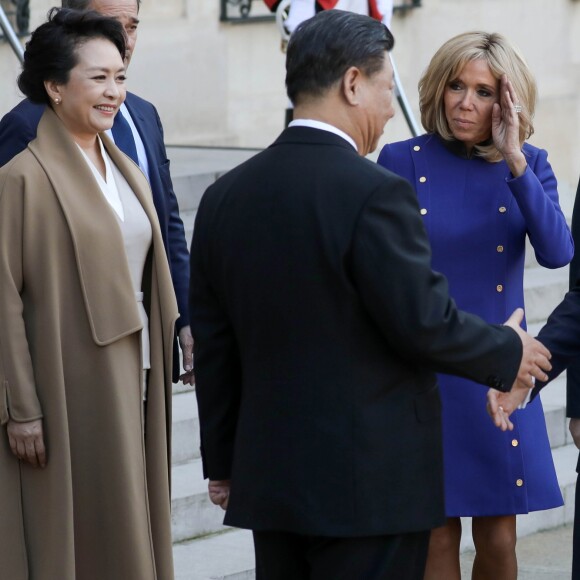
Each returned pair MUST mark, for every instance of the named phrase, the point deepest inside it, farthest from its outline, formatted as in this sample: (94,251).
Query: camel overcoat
(70,354)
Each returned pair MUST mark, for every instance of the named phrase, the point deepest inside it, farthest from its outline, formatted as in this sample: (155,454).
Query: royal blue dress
(477,216)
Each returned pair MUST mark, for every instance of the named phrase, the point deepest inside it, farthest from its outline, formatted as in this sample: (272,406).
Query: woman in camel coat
(84,460)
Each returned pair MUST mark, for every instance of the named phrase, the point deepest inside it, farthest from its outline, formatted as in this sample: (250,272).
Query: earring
(57,101)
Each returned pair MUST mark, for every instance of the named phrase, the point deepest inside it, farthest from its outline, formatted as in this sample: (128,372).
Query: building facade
(222,83)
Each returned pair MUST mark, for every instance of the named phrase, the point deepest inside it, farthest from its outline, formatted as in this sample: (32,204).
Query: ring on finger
(518,109)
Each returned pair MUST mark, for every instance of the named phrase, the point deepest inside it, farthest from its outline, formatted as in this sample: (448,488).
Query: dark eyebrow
(103,69)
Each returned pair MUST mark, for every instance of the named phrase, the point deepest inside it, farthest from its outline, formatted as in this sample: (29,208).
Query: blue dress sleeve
(536,193)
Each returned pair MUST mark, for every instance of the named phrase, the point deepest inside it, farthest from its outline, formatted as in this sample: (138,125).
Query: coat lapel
(140,186)
(98,244)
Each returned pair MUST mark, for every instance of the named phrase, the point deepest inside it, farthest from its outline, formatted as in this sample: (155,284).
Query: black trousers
(286,556)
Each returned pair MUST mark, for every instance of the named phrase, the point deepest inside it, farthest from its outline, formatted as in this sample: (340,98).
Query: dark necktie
(124,137)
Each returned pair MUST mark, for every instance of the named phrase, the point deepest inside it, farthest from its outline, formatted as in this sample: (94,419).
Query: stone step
(185,428)
(192,513)
(543,291)
(225,556)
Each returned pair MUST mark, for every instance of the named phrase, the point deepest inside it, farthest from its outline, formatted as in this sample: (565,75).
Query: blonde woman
(482,190)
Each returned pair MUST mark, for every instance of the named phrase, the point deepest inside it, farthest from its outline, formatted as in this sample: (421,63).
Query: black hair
(324,47)
(50,53)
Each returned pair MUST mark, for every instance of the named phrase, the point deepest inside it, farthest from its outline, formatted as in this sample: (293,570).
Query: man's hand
(219,492)
(27,441)
(574,428)
(501,405)
(186,344)
(535,356)
(535,360)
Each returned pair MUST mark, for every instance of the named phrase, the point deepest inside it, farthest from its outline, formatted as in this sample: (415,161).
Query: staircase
(206,550)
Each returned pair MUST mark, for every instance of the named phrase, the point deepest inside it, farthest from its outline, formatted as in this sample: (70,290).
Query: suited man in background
(318,325)
(139,134)
(561,335)
(573,388)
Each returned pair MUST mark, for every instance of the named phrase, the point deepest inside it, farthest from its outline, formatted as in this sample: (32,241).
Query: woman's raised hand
(505,127)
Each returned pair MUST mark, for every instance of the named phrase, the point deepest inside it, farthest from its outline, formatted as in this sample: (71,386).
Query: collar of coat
(96,236)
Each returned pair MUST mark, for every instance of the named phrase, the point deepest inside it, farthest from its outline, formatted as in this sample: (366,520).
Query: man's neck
(329,113)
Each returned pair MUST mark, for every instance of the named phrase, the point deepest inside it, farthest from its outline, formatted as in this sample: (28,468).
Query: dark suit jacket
(573,373)
(318,323)
(561,333)
(18,128)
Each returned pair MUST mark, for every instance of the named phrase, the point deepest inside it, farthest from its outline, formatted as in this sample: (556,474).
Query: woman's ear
(53,90)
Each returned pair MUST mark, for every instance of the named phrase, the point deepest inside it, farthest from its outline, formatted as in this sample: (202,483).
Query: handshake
(534,365)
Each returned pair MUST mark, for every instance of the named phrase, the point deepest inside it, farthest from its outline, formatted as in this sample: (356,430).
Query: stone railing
(14,22)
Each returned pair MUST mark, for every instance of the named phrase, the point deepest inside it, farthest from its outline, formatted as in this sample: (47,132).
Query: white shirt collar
(141,153)
(312,123)
(108,185)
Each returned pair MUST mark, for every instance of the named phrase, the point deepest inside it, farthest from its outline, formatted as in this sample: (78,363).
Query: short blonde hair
(501,56)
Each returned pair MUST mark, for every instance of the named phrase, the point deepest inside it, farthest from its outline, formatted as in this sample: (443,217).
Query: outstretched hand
(535,356)
(534,365)
(501,405)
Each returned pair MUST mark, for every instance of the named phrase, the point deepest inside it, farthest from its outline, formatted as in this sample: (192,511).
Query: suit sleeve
(536,193)
(573,372)
(15,134)
(217,364)
(18,398)
(410,302)
(177,244)
(561,335)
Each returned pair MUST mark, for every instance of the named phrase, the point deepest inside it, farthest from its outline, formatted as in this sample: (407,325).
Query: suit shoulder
(22,119)
(138,102)
(26,110)
(379,173)
(254,163)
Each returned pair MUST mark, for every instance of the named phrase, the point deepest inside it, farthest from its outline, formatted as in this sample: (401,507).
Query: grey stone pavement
(544,555)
